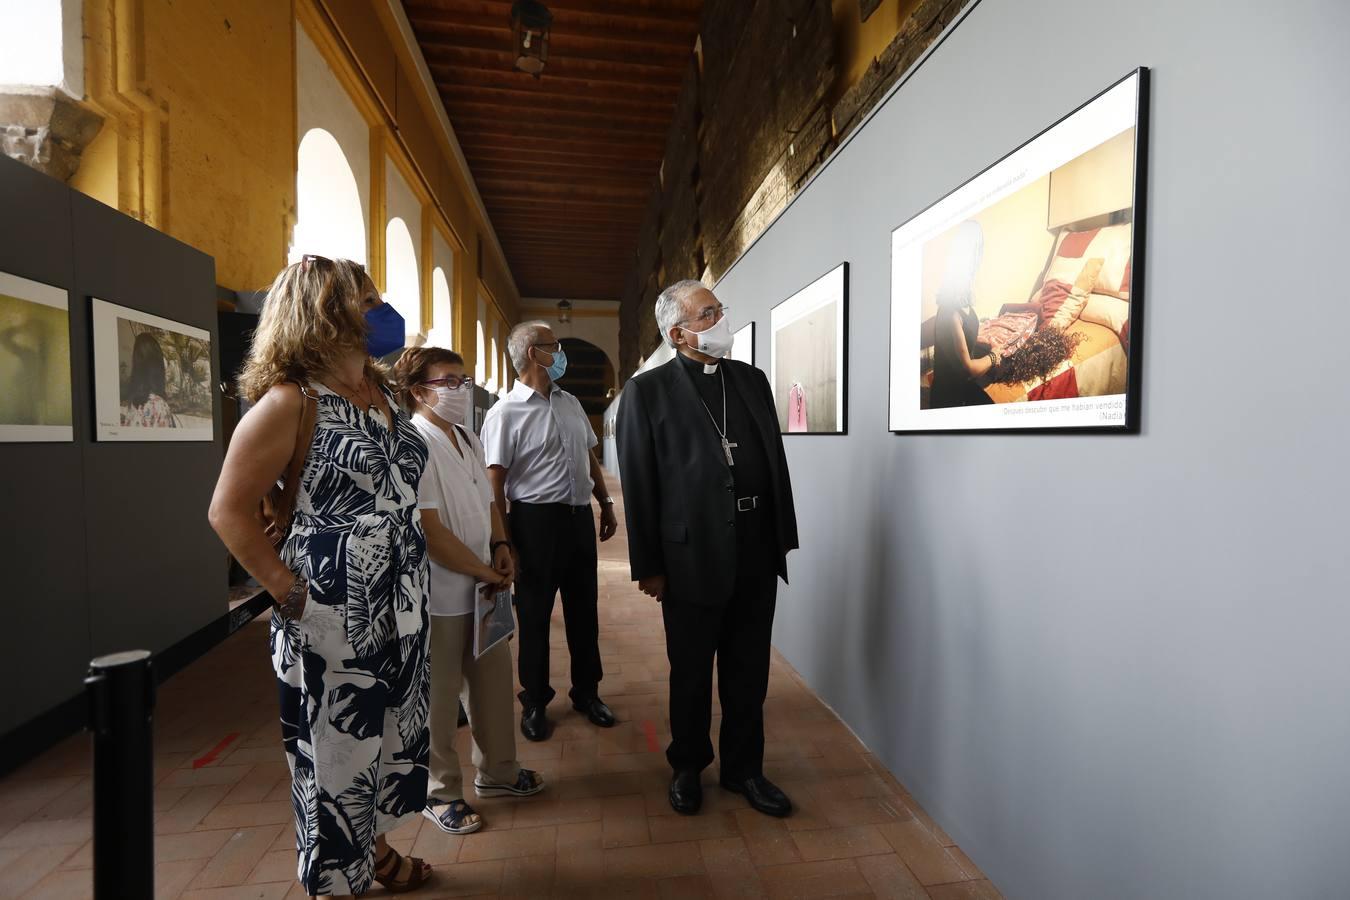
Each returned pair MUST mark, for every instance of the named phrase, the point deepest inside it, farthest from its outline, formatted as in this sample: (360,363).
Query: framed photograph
(1015,299)
(810,356)
(36,404)
(152,377)
(743,344)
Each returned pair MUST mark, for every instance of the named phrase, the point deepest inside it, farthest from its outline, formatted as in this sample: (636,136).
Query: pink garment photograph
(809,360)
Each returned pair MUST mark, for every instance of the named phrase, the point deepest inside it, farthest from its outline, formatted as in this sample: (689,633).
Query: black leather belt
(560,507)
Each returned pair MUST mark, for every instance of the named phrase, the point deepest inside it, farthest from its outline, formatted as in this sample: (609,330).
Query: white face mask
(716,341)
(451,406)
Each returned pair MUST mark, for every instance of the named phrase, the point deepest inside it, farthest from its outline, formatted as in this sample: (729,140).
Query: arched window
(402,287)
(329,220)
(480,358)
(442,332)
(495,378)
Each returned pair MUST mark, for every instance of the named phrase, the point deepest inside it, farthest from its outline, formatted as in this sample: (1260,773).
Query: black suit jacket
(678,494)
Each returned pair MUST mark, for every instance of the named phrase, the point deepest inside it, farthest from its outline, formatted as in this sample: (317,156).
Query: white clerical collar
(710,369)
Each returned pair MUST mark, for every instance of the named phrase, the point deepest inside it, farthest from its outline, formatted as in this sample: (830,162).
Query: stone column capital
(46,129)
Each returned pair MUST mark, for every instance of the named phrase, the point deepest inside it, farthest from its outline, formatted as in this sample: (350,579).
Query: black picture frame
(1132,423)
(842,348)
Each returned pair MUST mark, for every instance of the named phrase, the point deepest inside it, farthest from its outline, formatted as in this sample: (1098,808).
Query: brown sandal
(419,874)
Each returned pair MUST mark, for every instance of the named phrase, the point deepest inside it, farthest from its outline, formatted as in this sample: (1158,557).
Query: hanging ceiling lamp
(530,23)
(564,311)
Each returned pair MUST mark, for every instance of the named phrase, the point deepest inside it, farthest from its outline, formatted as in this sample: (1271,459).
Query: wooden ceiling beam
(649,128)
(554,190)
(531,183)
(650,122)
(489,164)
(512,98)
(596,46)
(621,251)
(554,138)
(680,13)
(606,29)
(486,146)
(449,75)
(616,71)
(537,204)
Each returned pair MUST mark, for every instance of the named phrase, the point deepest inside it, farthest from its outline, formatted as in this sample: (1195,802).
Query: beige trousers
(485,685)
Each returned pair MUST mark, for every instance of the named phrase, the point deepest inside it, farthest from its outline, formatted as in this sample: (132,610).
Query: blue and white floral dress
(353,670)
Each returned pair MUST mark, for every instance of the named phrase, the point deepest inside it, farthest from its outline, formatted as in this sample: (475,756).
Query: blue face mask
(559,365)
(386,330)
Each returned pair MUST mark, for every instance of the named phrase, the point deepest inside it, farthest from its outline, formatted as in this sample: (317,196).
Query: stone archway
(589,378)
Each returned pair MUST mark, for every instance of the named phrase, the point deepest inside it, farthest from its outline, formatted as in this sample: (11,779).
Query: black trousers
(738,635)
(556,545)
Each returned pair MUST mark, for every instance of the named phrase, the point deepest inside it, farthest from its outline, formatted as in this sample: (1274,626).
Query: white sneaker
(527,784)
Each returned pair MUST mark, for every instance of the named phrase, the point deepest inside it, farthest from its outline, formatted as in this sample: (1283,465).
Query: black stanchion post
(121,692)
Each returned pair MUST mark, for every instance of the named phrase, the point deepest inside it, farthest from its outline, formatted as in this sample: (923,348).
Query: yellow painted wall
(97,174)
(199,137)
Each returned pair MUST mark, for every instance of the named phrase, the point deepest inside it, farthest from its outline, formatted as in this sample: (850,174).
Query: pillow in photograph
(1061,301)
(1109,312)
(1112,244)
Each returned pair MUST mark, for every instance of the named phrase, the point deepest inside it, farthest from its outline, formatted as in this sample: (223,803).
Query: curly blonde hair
(312,316)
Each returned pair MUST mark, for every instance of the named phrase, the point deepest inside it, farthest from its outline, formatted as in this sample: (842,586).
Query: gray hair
(522,337)
(670,305)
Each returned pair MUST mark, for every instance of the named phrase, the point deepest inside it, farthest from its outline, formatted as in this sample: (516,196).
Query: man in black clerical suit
(710,523)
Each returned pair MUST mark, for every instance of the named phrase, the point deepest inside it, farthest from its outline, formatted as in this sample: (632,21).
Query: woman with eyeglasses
(349,633)
(469,552)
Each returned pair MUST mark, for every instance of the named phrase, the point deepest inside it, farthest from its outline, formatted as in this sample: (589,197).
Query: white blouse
(455,484)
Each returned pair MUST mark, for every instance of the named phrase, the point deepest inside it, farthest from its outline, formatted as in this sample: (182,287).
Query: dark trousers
(556,545)
(738,635)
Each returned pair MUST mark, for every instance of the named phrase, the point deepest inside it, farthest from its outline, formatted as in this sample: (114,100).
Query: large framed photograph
(1015,299)
(35,405)
(809,362)
(743,344)
(152,377)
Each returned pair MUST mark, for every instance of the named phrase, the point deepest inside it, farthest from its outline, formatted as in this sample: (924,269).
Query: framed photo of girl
(152,377)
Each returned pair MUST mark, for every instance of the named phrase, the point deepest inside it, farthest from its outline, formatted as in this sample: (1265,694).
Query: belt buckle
(746,504)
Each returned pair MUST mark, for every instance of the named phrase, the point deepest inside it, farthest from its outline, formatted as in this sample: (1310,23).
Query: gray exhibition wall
(106,544)
(1109,666)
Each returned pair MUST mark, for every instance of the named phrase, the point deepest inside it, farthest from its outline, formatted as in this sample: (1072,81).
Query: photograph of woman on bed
(1027,298)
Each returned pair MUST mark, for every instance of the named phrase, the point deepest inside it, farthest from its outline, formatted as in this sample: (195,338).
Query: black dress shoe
(761,794)
(534,724)
(597,712)
(686,794)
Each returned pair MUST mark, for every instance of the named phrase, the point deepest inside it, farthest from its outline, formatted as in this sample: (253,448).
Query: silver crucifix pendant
(727,448)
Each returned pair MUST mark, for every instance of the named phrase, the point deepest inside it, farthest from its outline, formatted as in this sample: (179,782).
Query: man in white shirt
(539,444)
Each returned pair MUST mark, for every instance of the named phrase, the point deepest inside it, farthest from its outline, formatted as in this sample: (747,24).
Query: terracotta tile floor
(603,827)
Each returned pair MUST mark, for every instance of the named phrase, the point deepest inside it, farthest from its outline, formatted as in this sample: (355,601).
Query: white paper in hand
(492,619)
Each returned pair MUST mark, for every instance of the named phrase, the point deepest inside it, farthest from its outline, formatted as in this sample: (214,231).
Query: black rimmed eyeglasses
(452,382)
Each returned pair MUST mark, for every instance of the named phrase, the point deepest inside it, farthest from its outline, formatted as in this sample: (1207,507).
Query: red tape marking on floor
(649,729)
(215,751)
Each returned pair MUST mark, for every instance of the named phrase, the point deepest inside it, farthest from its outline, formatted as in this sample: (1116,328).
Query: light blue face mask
(558,368)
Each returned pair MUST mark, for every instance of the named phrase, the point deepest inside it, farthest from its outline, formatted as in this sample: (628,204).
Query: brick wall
(753,121)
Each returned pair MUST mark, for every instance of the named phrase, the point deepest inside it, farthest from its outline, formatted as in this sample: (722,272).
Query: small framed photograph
(152,377)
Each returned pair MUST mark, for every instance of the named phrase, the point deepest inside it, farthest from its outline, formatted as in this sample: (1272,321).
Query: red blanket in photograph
(1008,332)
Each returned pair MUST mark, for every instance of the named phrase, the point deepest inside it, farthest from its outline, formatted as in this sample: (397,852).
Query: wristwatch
(496,544)
(292,606)
(607,501)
